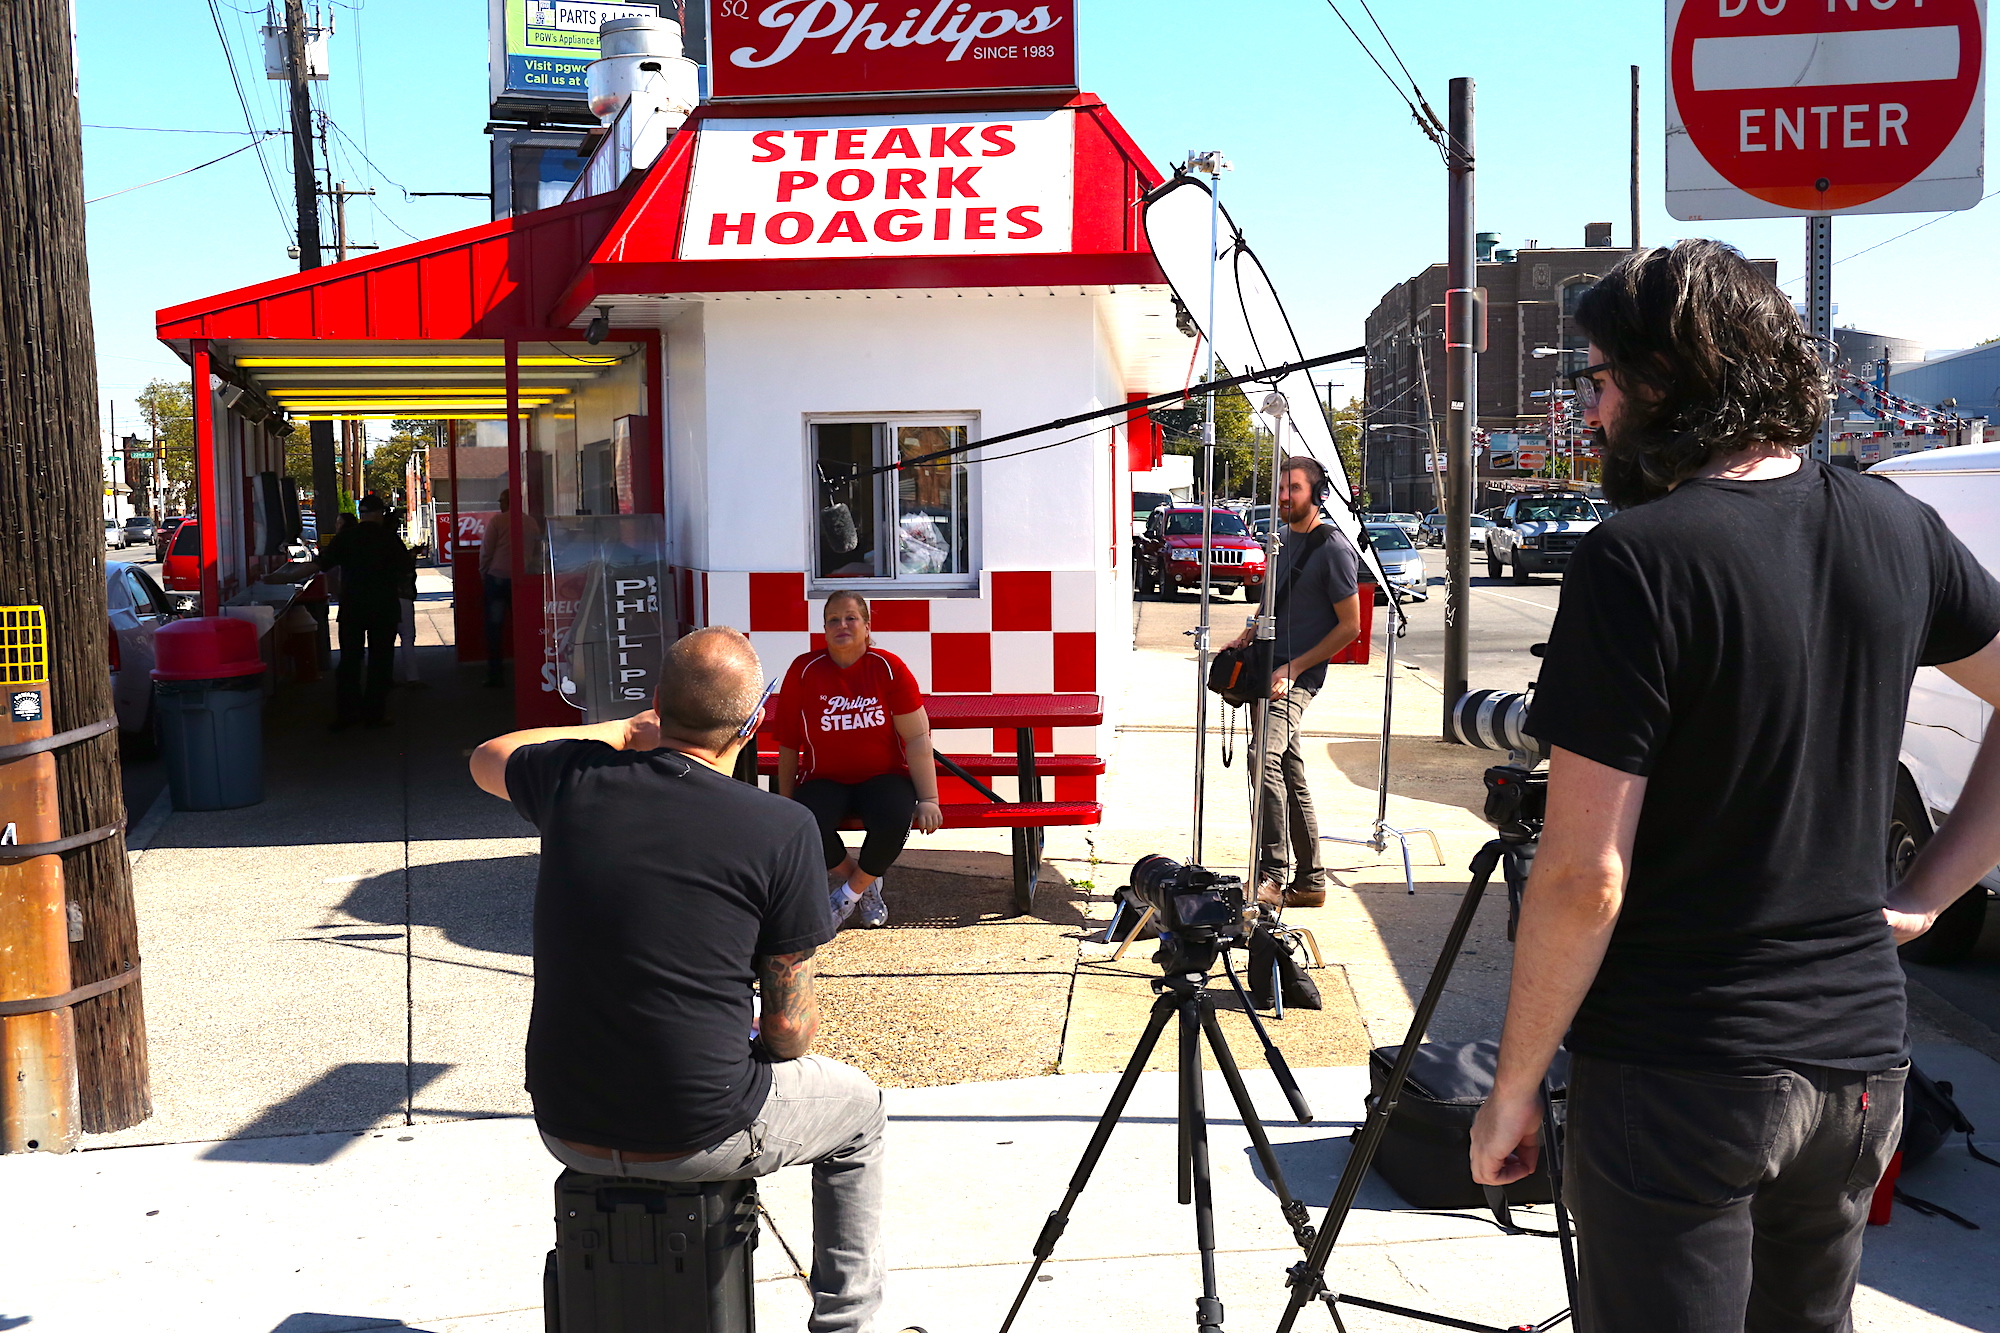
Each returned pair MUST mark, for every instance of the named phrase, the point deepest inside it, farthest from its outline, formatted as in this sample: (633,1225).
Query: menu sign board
(836,48)
(819,187)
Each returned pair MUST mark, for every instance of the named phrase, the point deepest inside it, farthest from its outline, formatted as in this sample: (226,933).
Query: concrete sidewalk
(443,1227)
(337,988)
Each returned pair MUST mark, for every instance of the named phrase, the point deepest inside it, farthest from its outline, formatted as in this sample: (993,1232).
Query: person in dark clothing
(374,566)
(1710,917)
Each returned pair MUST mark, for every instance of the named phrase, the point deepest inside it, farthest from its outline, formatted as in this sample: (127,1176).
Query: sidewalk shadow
(309,1322)
(1312,1169)
(1421,768)
(948,890)
(486,904)
(315,1124)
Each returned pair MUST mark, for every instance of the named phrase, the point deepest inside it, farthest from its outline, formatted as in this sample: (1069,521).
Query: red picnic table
(1029,814)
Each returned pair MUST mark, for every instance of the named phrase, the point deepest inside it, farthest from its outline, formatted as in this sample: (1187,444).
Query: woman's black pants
(884,805)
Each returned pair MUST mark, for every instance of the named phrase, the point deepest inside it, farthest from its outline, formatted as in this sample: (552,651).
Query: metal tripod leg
(1045,1243)
(1308,1278)
(1293,1211)
(1194,1122)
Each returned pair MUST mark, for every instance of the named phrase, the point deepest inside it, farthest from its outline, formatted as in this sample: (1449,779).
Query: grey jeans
(830,1115)
(1288,831)
(1719,1203)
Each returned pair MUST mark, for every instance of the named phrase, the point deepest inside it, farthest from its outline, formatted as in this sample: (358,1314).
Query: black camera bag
(1243,675)
(1426,1153)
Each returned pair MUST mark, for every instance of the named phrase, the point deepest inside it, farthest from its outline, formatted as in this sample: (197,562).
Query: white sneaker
(872,911)
(841,903)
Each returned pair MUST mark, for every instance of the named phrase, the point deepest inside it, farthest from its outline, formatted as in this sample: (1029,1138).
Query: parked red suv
(1169,553)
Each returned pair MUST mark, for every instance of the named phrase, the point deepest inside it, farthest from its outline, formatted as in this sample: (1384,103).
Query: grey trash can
(212,738)
(208,690)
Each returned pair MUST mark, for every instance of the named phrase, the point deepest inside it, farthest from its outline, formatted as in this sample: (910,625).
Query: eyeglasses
(1585,383)
(750,723)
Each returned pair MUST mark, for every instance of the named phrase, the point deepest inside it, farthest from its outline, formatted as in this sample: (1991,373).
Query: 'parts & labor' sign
(975,183)
(820,48)
(1783,107)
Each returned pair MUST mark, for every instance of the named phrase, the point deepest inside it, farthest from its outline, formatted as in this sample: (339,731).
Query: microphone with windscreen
(836,521)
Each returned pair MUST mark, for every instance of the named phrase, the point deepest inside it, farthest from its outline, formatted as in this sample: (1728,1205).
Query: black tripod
(1186,995)
(1512,852)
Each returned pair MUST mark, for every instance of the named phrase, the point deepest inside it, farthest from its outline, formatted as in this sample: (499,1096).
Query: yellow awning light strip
(424,391)
(425,405)
(411,416)
(398,362)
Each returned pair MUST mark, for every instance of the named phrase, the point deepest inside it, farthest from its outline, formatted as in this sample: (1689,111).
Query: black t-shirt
(374,566)
(1748,647)
(661,879)
(1310,613)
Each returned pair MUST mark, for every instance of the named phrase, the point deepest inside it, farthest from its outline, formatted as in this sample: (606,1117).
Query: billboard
(538,48)
(831,48)
(965,183)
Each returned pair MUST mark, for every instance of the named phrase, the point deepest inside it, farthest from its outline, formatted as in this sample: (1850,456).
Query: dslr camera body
(1200,912)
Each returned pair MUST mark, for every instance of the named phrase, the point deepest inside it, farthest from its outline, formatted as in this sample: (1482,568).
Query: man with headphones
(1312,592)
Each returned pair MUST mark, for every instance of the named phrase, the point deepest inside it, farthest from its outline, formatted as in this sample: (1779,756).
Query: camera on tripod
(1517,802)
(1199,911)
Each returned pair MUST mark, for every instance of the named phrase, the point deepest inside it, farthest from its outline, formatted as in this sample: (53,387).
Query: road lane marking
(1522,600)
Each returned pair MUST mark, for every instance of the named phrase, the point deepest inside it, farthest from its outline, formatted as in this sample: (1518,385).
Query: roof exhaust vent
(641,59)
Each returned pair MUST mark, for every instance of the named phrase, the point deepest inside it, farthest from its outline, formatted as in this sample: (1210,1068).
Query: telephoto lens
(1493,720)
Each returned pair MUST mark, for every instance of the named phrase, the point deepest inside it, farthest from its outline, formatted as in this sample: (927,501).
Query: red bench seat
(1015,814)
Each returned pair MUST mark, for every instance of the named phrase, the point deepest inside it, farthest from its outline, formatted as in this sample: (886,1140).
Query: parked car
(1169,554)
(137,606)
(114,535)
(163,535)
(1946,722)
(1433,530)
(1401,561)
(1143,505)
(181,570)
(1536,533)
(1411,524)
(138,528)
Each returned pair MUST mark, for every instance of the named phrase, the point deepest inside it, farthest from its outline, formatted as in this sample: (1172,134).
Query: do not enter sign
(1785,107)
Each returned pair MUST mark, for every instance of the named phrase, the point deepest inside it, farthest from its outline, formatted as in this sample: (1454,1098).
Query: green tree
(1346,425)
(1242,443)
(166,407)
(383,471)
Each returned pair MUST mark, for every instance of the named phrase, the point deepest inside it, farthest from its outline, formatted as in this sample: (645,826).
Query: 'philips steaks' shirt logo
(842,712)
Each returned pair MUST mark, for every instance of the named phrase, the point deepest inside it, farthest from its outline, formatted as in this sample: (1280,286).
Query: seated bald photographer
(666,888)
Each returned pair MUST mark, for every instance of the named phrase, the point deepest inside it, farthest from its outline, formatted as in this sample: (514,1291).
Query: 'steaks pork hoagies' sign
(830,187)
(822,48)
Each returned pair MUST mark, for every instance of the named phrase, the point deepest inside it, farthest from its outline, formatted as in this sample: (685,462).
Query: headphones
(1321,483)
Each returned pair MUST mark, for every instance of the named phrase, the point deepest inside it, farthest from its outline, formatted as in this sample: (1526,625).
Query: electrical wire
(168,129)
(1897,237)
(250,124)
(175,176)
(1430,132)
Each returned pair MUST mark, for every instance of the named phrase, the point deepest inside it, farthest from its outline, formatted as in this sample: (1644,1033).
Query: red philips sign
(840,48)
(1778,107)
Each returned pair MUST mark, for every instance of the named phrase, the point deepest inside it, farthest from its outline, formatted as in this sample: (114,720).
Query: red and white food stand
(798,294)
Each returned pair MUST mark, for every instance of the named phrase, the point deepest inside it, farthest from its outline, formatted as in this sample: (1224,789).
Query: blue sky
(1333,185)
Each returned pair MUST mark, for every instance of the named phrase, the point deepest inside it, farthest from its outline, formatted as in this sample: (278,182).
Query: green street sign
(138,453)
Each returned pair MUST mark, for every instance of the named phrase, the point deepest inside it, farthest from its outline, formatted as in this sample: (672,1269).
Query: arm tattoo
(785,982)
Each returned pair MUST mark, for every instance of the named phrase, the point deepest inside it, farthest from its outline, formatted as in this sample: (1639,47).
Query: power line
(169,129)
(1422,101)
(250,122)
(1897,237)
(1430,132)
(175,176)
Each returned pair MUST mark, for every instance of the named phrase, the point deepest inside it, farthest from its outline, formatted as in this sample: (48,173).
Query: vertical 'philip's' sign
(836,48)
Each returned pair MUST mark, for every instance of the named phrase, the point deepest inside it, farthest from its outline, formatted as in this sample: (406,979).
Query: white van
(1946,722)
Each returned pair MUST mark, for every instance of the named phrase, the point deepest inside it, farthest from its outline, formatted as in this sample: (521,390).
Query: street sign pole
(1819,312)
(1461,391)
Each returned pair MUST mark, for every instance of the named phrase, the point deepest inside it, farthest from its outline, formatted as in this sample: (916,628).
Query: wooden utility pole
(51,529)
(305,185)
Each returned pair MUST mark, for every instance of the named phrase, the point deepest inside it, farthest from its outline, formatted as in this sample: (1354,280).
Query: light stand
(1383,830)
(1211,164)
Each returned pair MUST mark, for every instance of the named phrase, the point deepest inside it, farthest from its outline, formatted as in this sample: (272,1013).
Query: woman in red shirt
(853,739)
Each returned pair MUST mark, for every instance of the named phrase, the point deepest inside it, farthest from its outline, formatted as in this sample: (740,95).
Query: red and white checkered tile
(1025,632)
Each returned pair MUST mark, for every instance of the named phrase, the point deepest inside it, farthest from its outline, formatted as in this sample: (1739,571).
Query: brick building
(1531,294)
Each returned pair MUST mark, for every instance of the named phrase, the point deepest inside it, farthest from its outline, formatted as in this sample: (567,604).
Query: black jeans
(499,592)
(355,703)
(885,805)
(1713,1203)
